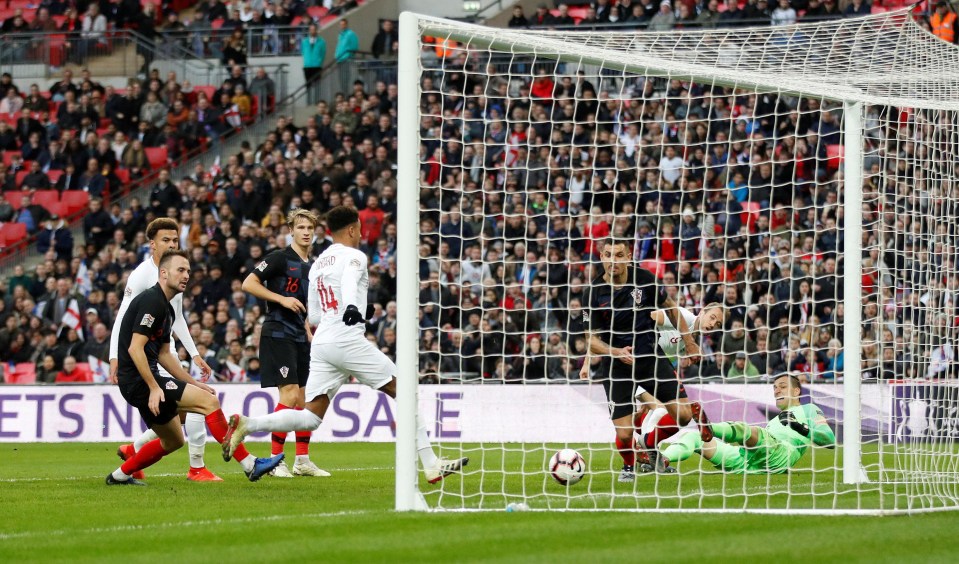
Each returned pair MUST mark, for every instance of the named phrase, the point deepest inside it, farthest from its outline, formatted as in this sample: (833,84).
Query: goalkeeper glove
(787,418)
(352,316)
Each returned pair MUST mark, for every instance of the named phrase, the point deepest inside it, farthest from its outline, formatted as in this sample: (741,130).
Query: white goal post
(889,89)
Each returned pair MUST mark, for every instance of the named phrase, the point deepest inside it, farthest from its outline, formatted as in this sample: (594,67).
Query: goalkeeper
(772,449)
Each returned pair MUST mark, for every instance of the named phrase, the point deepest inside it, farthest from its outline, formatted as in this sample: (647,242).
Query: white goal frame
(852,97)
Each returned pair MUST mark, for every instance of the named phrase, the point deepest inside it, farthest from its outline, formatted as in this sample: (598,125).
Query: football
(567,467)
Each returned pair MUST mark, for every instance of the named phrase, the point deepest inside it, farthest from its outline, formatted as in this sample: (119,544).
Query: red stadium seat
(157,156)
(124,176)
(21,174)
(207,90)
(46,198)
(11,232)
(655,266)
(24,373)
(14,197)
(835,154)
(54,175)
(57,208)
(316,12)
(8,157)
(74,200)
(84,369)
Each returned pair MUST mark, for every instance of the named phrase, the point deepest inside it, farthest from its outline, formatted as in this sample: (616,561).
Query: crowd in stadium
(731,197)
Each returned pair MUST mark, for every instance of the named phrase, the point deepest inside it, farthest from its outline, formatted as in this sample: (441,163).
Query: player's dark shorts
(283,362)
(654,373)
(137,394)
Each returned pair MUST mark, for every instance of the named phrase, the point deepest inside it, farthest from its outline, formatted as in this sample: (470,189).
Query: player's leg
(681,446)
(194,425)
(277,372)
(303,466)
(323,382)
(738,432)
(195,400)
(170,438)
(656,374)
(620,389)
(724,456)
(373,368)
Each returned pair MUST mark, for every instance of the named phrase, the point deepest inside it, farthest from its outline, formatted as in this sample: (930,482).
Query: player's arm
(352,273)
(171,363)
(182,332)
(820,433)
(659,317)
(138,354)
(599,347)
(253,285)
(135,285)
(671,311)
(314,309)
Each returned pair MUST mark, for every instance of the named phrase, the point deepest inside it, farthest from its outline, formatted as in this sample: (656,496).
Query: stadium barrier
(465,413)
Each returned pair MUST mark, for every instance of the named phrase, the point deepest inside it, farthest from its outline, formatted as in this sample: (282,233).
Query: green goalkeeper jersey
(789,445)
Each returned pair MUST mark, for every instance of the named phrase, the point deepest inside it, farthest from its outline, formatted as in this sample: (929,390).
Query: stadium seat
(54,175)
(8,157)
(11,232)
(655,266)
(207,90)
(21,174)
(84,369)
(14,197)
(316,12)
(750,214)
(157,157)
(74,200)
(46,198)
(57,208)
(24,373)
(124,176)
(834,155)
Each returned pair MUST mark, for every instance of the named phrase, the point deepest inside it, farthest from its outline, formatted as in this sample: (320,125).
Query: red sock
(277,440)
(666,428)
(216,421)
(626,451)
(150,454)
(638,420)
(303,440)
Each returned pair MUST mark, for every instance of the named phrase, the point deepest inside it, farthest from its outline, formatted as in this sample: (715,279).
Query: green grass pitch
(55,507)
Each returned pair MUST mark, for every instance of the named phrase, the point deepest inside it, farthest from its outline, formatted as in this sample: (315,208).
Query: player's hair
(161,224)
(716,305)
(793,381)
(168,256)
(300,213)
(341,217)
(619,241)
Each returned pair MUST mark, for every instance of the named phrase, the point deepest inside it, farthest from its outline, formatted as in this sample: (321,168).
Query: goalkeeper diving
(740,448)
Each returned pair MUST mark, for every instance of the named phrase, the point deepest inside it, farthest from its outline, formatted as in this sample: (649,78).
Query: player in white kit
(163,234)
(339,281)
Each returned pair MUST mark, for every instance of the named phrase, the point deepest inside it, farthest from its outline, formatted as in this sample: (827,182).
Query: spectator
(664,19)
(12,103)
(386,41)
(518,19)
(56,236)
(741,367)
(942,22)
(71,373)
(784,14)
(347,44)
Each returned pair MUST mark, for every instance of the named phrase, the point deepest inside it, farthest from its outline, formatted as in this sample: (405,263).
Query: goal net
(802,177)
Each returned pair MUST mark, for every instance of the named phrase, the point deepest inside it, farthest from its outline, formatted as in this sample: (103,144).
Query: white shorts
(332,365)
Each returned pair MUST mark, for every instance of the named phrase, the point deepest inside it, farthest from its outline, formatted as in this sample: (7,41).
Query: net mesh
(719,156)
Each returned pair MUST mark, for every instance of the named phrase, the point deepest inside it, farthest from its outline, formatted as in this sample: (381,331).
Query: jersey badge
(638,296)
(284,371)
(262,266)
(355,263)
(147,320)
(170,385)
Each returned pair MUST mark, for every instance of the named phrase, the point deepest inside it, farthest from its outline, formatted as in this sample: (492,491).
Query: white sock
(302,458)
(119,475)
(195,426)
(248,462)
(652,420)
(143,439)
(425,448)
(284,421)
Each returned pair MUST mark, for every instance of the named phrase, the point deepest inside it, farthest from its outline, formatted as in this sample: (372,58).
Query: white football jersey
(338,278)
(143,278)
(670,340)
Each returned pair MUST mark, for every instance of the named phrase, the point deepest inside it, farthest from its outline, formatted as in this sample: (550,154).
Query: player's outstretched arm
(671,310)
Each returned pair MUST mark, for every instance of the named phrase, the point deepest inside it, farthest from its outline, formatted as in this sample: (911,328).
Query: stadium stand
(232,215)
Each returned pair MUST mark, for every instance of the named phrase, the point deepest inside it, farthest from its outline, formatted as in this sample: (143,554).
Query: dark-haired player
(339,281)
(622,327)
(144,346)
(280,280)
(739,448)
(164,235)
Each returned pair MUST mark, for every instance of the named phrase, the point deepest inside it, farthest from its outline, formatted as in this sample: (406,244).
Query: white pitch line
(149,475)
(178,524)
